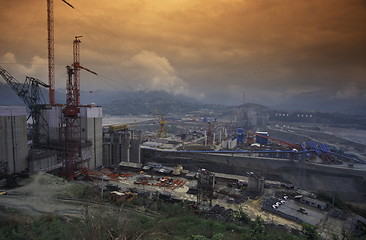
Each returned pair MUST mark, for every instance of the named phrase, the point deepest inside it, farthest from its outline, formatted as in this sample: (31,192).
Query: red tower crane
(51,49)
(71,126)
(76,65)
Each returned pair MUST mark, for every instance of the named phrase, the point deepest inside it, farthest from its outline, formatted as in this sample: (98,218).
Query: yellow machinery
(162,130)
(118,127)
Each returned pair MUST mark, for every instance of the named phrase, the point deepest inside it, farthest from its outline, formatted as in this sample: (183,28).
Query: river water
(350,134)
(111,120)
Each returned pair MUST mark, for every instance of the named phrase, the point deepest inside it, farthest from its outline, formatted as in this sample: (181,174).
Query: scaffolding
(205,187)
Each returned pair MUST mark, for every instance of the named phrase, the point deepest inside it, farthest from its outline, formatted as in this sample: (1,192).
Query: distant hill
(7,96)
(145,103)
(324,102)
(141,102)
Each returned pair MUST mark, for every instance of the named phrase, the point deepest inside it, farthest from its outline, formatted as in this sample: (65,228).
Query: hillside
(145,103)
(324,101)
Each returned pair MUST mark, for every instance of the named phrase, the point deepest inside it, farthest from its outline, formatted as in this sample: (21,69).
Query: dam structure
(345,181)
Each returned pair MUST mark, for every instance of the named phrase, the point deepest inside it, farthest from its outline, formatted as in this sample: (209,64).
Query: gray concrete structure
(135,152)
(309,215)
(205,187)
(51,120)
(41,160)
(119,147)
(256,183)
(314,202)
(347,183)
(90,129)
(13,138)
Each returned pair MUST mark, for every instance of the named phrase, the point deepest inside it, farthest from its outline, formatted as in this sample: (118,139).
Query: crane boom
(30,93)
(68,4)
(13,83)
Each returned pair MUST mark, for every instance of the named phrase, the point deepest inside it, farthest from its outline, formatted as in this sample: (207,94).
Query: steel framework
(51,49)
(205,187)
(70,130)
(30,93)
(161,133)
(71,124)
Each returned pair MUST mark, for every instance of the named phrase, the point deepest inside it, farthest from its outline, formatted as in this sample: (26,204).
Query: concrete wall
(43,160)
(135,152)
(91,130)
(121,148)
(256,184)
(13,138)
(124,144)
(107,155)
(52,115)
(349,184)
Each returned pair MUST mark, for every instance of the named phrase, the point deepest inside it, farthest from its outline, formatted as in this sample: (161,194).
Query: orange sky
(212,50)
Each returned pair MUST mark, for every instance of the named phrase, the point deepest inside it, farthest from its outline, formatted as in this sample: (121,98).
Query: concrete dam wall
(347,183)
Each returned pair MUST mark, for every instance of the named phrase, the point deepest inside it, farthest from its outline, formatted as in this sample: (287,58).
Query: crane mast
(51,49)
(76,66)
(161,133)
(71,125)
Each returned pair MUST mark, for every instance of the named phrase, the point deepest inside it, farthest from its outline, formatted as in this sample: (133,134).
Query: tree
(310,231)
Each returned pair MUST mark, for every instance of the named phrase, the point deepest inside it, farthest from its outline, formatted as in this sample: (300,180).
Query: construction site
(216,166)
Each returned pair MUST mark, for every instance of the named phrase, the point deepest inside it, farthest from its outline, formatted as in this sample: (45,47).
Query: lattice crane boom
(51,49)
(30,93)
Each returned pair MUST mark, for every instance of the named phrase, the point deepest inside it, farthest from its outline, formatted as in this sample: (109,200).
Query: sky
(208,50)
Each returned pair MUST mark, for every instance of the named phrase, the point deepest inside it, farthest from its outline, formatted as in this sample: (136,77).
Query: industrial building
(43,160)
(120,145)
(13,134)
(256,183)
(66,136)
(13,139)
(91,136)
(205,187)
(91,131)
(314,202)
